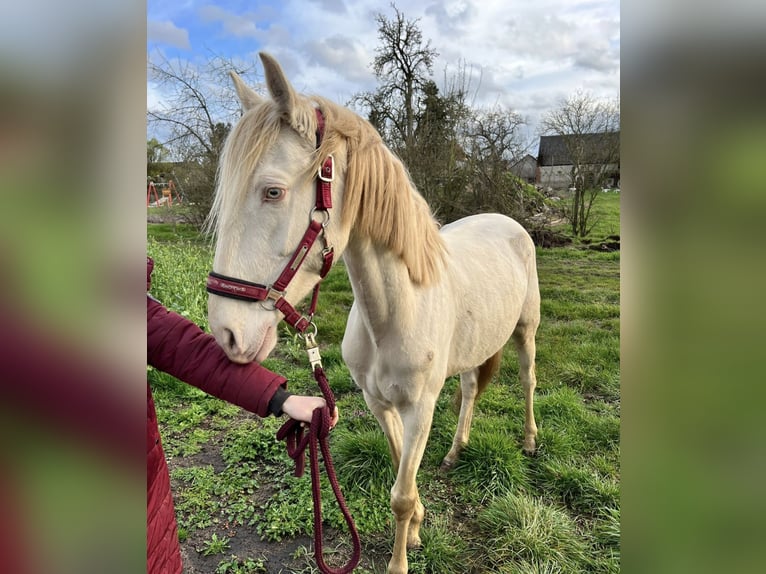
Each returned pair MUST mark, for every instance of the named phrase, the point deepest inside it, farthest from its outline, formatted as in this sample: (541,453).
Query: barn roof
(598,148)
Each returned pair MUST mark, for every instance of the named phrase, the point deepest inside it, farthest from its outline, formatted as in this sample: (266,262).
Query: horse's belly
(489,275)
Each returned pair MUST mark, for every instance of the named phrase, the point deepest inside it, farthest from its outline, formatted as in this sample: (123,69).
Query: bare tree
(493,142)
(198,108)
(437,163)
(589,130)
(403,65)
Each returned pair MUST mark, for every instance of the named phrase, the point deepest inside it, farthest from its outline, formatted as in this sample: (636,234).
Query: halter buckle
(326,171)
(274,295)
(271,295)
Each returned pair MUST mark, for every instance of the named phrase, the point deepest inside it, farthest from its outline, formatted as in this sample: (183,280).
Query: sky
(525,56)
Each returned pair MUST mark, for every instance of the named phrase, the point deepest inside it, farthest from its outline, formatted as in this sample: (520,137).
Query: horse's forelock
(254,134)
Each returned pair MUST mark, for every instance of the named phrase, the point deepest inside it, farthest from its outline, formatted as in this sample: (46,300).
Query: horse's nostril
(230,342)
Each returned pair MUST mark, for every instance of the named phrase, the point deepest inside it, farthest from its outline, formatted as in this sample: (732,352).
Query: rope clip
(312,349)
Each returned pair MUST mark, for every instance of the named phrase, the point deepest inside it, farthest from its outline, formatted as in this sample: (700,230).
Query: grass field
(605,215)
(497,511)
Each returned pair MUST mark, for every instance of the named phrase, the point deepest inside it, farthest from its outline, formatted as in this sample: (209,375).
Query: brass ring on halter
(326,213)
(304,335)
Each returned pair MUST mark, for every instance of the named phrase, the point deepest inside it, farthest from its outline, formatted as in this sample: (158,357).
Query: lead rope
(317,438)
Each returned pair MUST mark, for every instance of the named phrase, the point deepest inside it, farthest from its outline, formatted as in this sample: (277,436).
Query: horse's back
(487,236)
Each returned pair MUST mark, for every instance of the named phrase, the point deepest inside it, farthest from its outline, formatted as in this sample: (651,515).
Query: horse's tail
(487,370)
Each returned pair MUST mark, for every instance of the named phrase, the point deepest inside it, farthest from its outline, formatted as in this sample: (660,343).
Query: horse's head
(266,198)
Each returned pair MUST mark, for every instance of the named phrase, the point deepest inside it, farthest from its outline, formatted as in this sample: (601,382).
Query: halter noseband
(233,288)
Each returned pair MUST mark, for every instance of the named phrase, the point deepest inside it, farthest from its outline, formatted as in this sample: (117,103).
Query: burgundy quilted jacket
(177,346)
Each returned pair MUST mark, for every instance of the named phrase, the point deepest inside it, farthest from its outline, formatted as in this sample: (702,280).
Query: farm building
(525,169)
(595,156)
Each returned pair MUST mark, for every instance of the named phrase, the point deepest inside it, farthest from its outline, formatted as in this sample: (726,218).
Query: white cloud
(519,54)
(167,33)
(333,6)
(344,55)
(238,25)
(153,97)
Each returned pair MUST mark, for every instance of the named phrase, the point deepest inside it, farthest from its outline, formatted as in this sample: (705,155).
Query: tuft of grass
(443,549)
(174,232)
(370,510)
(253,441)
(607,529)
(363,461)
(524,567)
(195,501)
(557,444)
(520,528)
(577,486)
(179,276)
(288,512)
(490,464)
(605,215)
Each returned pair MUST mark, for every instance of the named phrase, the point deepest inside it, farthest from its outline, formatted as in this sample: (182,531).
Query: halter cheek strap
(234,288)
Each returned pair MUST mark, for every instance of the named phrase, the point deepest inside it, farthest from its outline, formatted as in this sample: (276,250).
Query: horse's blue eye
(273,193)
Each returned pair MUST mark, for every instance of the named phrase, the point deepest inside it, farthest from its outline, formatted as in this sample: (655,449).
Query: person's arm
(180,348)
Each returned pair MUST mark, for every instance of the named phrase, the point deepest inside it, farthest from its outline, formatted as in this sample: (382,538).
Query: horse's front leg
(389,420)
(405,501)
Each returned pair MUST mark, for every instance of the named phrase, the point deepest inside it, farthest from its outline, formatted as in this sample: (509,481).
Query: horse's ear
(248,97)
(279,88)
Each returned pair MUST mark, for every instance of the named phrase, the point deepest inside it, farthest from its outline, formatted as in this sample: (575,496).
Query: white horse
(428,302)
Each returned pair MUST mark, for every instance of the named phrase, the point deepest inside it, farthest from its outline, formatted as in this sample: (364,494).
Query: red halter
(233,288)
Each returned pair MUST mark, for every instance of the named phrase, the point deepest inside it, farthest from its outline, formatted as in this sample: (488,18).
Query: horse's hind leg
(468,392)
(524,340)
(472,383)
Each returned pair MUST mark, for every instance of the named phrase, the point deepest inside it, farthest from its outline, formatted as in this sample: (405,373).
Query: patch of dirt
(611,243)
(290,556)
(278,557)
(549,238)
(244,541)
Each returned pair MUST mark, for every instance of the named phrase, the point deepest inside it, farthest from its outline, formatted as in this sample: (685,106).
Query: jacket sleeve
(180,348)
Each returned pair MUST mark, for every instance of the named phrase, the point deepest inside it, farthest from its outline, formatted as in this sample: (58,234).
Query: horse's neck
(382,286)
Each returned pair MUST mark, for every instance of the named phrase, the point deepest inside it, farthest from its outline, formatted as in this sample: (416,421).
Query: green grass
(603,220)
(605,215)
(526,530)
(173,232)
(497,511)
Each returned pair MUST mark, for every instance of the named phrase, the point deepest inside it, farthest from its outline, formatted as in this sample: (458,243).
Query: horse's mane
(380,201)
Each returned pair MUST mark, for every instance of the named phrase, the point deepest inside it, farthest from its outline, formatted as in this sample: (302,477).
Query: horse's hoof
(414,544)
(446,465)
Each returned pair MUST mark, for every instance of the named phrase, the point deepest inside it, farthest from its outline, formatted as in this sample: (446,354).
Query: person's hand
(301,408)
